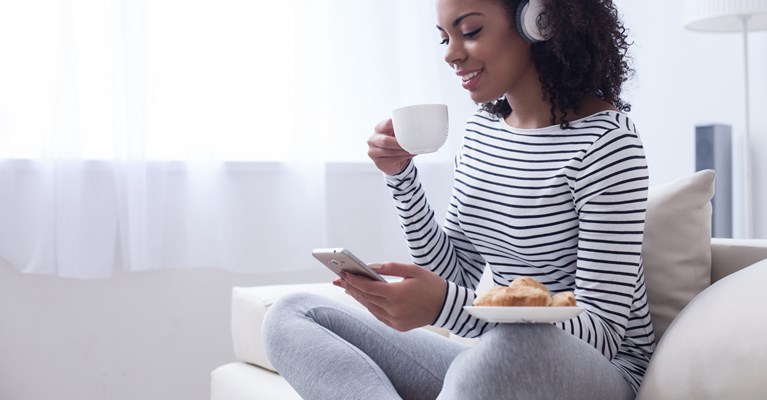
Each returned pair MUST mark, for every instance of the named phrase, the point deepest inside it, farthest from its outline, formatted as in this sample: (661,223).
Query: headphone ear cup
(528,13)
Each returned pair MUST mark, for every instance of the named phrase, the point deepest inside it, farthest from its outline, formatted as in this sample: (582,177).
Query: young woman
(550,182)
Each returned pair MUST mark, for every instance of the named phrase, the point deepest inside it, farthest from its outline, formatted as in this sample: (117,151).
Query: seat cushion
(716,348)
(677,245)
(241,381)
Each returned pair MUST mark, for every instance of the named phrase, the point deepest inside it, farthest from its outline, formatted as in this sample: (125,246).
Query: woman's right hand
(384,150)
(411,303)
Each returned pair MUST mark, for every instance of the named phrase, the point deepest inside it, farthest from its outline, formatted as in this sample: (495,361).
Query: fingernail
(375,265)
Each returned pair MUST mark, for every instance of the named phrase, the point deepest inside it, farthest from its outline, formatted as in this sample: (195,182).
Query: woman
(550,182)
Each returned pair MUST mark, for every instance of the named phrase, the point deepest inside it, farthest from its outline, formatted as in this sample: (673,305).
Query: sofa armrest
(730,255)
(250,304)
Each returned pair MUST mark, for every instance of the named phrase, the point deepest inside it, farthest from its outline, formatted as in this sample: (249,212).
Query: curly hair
(586,54)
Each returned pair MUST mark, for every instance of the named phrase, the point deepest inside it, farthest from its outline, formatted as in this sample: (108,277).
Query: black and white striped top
(566,207)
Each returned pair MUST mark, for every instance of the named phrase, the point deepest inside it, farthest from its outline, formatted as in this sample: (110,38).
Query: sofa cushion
(716,348)
(677,245)
(241,381)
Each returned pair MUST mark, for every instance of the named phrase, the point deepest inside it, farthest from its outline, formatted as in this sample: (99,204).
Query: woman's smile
(470,79)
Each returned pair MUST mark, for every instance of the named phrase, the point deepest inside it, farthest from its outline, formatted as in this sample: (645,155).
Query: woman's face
(484,48)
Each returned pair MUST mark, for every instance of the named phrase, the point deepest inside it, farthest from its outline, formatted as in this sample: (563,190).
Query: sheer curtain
(145,134)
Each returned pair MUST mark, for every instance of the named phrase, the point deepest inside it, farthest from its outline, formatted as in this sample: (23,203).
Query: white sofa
(715,348)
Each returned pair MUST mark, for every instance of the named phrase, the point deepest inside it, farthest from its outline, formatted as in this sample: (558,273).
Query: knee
(465,376)
(277,322)
(289,306)
(520,354)
(528,345)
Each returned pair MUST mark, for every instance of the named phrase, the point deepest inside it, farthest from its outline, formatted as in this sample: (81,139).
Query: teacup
(421,128)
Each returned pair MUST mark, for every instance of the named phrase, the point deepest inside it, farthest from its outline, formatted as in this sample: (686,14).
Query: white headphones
(528,13)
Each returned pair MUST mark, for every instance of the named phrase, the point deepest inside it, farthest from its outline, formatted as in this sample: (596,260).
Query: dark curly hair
(586,54)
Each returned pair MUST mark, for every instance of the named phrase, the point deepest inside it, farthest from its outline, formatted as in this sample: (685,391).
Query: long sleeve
(445,251)
(610,191)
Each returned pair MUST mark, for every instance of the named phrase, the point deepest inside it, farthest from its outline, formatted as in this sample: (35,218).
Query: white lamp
(732,16)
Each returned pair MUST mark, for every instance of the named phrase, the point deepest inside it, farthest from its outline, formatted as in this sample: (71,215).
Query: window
(234,80)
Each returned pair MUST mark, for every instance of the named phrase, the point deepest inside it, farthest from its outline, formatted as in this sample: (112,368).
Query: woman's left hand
(410,303)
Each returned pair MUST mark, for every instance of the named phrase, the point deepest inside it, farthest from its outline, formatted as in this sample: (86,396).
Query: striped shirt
(566,207)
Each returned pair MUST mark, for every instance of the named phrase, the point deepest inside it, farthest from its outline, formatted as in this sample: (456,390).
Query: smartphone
(342,260)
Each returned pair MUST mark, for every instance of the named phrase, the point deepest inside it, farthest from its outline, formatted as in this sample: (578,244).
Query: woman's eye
(467,35)
(471,34)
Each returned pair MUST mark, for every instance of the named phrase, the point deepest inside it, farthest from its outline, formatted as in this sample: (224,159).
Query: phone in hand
(342,260)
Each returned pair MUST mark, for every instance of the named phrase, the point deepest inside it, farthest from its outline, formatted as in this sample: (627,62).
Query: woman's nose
(454,53)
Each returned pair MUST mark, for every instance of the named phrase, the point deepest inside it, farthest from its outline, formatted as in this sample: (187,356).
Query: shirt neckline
(552,128)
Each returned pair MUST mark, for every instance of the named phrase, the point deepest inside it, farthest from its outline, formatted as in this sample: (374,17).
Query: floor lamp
(739,16)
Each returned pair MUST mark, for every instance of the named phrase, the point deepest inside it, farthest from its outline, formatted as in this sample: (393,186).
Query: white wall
(685,78)
(157,335)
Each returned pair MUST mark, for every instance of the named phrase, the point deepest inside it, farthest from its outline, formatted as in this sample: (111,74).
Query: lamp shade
(725,15)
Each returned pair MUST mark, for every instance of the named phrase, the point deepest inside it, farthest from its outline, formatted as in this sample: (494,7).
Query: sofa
(705,299)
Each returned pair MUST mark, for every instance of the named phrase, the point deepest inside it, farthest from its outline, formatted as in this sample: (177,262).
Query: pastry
(563,299)
(525,292)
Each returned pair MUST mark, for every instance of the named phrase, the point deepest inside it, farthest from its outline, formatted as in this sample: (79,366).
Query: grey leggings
(329,350)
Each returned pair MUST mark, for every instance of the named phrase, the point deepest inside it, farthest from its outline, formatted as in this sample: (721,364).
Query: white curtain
(145,134)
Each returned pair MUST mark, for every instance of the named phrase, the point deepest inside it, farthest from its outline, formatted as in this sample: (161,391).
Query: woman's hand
(384,150)
(408,304)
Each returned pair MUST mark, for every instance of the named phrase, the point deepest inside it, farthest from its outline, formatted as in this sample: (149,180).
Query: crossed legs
(329,350)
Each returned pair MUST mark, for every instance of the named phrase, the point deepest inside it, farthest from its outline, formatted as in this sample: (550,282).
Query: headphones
(528,13)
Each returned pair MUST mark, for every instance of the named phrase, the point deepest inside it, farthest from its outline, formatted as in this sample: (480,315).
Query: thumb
(386,127)
(396,269)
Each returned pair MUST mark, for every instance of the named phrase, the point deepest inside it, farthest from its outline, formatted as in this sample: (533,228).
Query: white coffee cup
(421,128)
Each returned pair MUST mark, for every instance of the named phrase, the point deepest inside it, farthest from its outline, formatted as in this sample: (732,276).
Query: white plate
(523,314)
